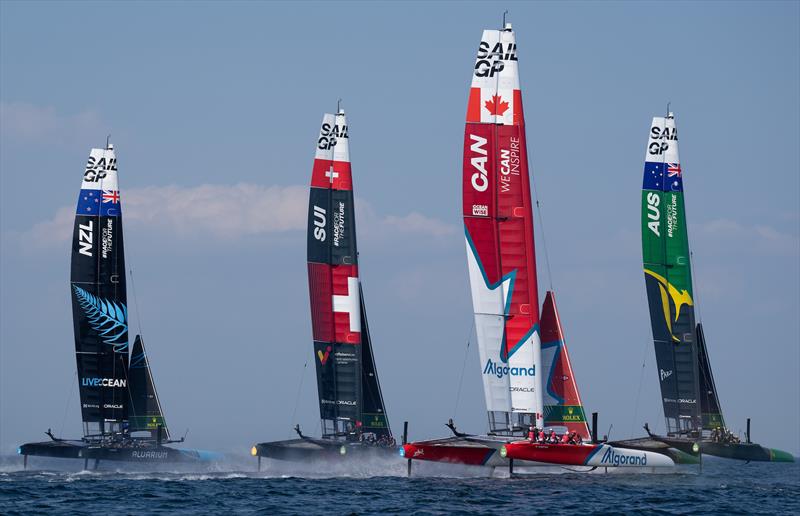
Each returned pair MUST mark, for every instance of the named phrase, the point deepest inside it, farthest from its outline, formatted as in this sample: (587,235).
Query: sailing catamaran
(498,223)
(122,416)
(351,404)
(691,404)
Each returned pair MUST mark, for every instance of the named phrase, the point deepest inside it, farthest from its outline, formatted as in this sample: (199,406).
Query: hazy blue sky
(214,109)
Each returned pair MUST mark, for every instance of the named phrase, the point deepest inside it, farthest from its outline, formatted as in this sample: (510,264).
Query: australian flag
(662,176)
(99,202)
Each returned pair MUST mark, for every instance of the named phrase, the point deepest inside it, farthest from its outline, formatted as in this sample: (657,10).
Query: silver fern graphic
(108,318)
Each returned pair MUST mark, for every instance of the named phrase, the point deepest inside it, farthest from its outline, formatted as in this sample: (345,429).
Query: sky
(214,110)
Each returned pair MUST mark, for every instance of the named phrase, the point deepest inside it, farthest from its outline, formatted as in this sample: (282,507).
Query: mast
(99,300)
(498,225)
(334,288)
(668,278)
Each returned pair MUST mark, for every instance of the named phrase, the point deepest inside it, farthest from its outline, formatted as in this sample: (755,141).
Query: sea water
(722,487)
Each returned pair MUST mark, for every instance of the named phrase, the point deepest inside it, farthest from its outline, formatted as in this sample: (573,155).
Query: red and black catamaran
(351,406)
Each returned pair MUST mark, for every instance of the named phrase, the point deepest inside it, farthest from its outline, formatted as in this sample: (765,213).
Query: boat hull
(595,455)
(139,454)
(481,450)
(738,451)
(296,450)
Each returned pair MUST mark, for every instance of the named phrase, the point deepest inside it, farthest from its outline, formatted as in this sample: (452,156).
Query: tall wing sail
(562,402)
(710,408)
(333,280)
(144,413)
(667,272)
(373,410)
(99,301)
(499,236)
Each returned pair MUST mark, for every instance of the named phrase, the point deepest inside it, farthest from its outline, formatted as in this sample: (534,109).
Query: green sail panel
(668,278)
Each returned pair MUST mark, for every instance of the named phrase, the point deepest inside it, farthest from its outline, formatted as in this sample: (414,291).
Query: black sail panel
(144,412)
(99,300)
(373,409)
(710,407)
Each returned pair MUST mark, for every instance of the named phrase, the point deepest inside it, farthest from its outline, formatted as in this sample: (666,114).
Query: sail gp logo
(323,357)
(500,370)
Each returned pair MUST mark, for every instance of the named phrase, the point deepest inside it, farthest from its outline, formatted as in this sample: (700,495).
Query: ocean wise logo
(107,318)
(679,298)
(323,357)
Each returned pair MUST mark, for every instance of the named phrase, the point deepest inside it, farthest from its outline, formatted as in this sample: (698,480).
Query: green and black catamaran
(692,409)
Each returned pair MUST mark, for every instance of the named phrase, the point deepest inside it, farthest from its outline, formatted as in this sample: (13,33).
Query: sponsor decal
(338,224)
(509,164)
(104,382)
(571,416)
(612,457)
(97,169)
(419,452)
(112,406)
(86,238)
(496,105)
(653,212)
(500,371)
(480,209)
(664,374)
(491,59)
(479,177)
(137,454)
(672,215)
(665,135)
(323,357)
(329,134)
(319,223)
(107,238)
(349,403)
(679,298)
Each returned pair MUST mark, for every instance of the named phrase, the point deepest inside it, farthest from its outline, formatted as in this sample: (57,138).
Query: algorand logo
(104,382)
(665,374)
(500,371)
(611,457)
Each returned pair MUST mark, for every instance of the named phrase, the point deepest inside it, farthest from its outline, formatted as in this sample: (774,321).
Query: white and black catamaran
(121,413)
(351,406)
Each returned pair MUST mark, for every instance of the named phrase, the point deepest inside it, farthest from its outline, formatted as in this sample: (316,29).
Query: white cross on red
(350,304)
(331,174)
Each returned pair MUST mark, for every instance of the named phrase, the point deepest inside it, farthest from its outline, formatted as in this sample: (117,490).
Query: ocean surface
(723,487)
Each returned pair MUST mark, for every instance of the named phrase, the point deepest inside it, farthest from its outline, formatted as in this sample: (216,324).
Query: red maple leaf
(496,106)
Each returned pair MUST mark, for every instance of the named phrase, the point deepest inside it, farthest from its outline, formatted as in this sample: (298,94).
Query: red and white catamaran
(527,376)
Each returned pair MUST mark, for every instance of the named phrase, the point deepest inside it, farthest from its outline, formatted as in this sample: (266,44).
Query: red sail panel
(562,402)
(320,294)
